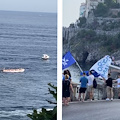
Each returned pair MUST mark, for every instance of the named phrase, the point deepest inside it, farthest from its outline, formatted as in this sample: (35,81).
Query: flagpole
(79,66)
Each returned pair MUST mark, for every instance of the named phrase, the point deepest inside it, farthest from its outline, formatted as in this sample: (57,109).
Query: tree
(46,114)
(109,3)
(82,21)
(72,25)
(101,10)
(112,3)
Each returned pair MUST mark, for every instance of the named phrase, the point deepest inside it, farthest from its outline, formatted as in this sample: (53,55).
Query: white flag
(102,66)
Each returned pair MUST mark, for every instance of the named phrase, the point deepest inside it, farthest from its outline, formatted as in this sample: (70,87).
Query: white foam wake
(17,113)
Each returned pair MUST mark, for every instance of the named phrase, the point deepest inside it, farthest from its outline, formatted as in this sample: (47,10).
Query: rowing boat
(13,70)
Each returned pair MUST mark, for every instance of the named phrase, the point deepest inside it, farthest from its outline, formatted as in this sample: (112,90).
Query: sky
(71,10)
(29,5)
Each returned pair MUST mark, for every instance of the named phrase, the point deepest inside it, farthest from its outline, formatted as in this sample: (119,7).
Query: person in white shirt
(90,85)
(118,85)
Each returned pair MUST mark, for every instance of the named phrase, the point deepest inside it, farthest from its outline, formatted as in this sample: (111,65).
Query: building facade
(91,4)
(82,9)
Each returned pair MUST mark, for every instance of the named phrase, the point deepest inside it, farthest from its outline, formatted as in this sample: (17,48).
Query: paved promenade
(95,110)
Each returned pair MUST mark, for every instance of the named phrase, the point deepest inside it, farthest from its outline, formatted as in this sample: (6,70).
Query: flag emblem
(64,61)
(102,66)
(67,60)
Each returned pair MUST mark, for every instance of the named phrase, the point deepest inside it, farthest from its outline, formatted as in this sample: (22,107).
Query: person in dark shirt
(66,85)
(109,88)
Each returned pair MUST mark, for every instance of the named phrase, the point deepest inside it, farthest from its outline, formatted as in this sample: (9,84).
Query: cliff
(90,41)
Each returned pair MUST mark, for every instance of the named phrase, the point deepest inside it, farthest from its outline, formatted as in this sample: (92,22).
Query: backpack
(94,83)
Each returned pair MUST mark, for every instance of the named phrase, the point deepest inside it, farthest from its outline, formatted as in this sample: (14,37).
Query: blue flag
(67,60)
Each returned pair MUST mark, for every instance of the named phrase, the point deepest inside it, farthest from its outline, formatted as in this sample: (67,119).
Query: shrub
(46,114)
(82,21)
(114,16)
(101,10)
(118,14)
(72,25)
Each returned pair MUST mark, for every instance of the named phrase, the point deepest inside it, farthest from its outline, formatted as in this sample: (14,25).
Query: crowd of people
(87,85)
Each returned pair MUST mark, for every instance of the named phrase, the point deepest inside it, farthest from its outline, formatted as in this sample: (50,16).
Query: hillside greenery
(82,21)
(102,10)
(87,37)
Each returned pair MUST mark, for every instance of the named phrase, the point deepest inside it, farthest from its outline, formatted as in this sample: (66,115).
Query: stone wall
(99,92)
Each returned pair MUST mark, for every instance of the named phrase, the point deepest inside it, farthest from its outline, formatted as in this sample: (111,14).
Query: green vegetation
(90,35)
(102,10)
(110,26)
(112,44)
(112,4)
(84,38)
(72,25)
(46,114)
(82,21)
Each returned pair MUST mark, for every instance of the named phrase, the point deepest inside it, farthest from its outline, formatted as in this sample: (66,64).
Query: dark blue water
(24,37)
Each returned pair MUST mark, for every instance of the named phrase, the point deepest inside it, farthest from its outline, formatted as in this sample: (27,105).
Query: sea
(24,38)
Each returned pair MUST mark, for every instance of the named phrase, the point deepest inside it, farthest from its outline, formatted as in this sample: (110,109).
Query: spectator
(68,73)
(90,85)
(109,89)
(66,85)
(118,85)
(83,87)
